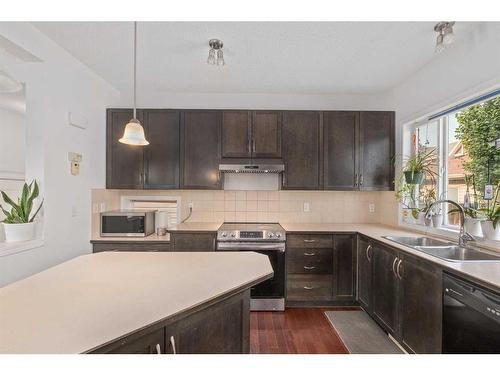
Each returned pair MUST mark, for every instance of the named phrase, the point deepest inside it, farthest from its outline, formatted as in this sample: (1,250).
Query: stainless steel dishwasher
(471,318)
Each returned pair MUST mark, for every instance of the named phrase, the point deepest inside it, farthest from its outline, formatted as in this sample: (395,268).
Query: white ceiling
(261,57)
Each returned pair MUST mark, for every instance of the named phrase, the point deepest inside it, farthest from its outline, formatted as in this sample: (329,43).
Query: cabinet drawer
(99,247)
(309,287)
(193,241)
(309,241)
(309,261)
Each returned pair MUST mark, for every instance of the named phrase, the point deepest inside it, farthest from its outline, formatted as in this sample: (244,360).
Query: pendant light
(134,132)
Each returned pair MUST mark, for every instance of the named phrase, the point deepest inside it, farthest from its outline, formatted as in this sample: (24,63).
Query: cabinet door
(220,329)
(376,141)
(266,134)
(139,343)
(236,134)
(421,306)
(193,241)
(301,151)
(385,288)
(124,163)
(364,258)
(340,150)
(344,268)
(161,163)
(200,150)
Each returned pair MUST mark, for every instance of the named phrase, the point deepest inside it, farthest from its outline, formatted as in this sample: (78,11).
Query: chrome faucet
(463,236)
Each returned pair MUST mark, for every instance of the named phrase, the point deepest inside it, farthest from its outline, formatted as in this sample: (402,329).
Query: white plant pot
(19,232)
(489,232)
(421,218)
(473,226)
(437,220)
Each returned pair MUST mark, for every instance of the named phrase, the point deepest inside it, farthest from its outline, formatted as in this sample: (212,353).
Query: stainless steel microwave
(128,223)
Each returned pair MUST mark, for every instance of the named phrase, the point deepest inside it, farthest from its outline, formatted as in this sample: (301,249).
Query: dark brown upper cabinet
(161,163)
(358,150)
(340,130)
(200,149)
(155,166)
(376,143)
(124,163)
(251,134)
(236,134)
(301,150)
(266,134)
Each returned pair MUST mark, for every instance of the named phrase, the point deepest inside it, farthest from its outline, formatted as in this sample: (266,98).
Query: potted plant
(416,167)
(18,222)
(491,225)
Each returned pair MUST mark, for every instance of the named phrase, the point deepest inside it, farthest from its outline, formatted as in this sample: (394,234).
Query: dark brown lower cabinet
(130,246)
(365,252)
(385,288)
(420,306)
(321,270)
(220,327)
(192,241)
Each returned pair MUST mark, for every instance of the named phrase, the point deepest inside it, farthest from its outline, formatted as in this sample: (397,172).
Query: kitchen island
(124,302)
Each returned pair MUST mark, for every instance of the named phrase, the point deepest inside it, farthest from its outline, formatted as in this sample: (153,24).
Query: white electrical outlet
(95,208)
(74,211)
(102,207)
(371,207)
(191,205)
(307,207)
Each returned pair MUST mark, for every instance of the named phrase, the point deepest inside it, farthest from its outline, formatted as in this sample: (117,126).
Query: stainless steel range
(264,238)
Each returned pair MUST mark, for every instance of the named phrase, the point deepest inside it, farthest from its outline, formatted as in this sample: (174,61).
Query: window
(464,160)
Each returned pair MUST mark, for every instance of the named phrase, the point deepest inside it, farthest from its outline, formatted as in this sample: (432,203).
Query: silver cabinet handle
(309,241)
(360,179)
(368,248)
(398,269)
(253,146)
(356,179)
(394,266)
(309,254)
(309,267)
(172,342)
(158,349)
(308,287)
(249,145)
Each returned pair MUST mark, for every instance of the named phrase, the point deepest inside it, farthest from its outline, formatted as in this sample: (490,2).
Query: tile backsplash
(272,206)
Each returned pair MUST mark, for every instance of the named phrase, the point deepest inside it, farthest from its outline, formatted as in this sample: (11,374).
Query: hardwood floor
(294,331)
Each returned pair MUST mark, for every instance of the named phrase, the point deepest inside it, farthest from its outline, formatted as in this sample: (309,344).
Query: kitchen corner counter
(195,227)
(94,299)
(486,273)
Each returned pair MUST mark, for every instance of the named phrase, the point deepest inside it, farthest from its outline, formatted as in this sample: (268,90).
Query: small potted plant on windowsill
(415,168)
(491,223)
(18,223)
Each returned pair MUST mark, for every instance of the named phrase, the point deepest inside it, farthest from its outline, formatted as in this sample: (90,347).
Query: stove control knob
(270,235)
(224,234)
(278,235)
(233,235)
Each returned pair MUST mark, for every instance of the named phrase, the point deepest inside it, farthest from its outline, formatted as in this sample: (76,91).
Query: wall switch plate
(371,207)
(95,208)
(307,207)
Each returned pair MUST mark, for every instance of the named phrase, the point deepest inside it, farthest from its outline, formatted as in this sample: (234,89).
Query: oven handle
(252,246)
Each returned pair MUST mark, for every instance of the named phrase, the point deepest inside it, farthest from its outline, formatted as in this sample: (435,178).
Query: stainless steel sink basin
(445,250)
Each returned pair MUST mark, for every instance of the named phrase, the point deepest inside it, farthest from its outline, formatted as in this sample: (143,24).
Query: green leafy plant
(492,211)
(471,209)
(478,125)
(423,162)
(20,212)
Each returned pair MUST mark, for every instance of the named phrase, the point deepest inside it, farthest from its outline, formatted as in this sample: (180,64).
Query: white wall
(54,87)
(12,144)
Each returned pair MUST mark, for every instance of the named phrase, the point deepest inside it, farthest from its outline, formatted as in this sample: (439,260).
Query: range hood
(277,167)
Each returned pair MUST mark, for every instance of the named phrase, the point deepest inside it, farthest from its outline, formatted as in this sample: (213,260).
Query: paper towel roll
(161,219)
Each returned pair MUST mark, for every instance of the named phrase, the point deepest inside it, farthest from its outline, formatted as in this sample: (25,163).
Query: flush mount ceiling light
(134,132)
(9,84)
(445,35)
(215,55)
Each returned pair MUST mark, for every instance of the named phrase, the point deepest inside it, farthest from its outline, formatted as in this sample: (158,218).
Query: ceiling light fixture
(215,55)
(445,35)
(134,132)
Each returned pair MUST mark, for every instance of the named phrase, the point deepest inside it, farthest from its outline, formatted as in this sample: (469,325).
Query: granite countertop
(487,273)
(195,227)
(94,299)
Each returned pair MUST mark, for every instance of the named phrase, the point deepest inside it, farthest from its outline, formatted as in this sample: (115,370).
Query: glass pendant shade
(220,57)
(134,134)
(211,57)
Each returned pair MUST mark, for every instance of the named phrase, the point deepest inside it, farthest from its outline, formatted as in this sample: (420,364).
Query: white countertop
(93,299)
(486,272)
(195,227)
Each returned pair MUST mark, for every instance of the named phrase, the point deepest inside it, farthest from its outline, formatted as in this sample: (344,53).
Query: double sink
(445,250)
